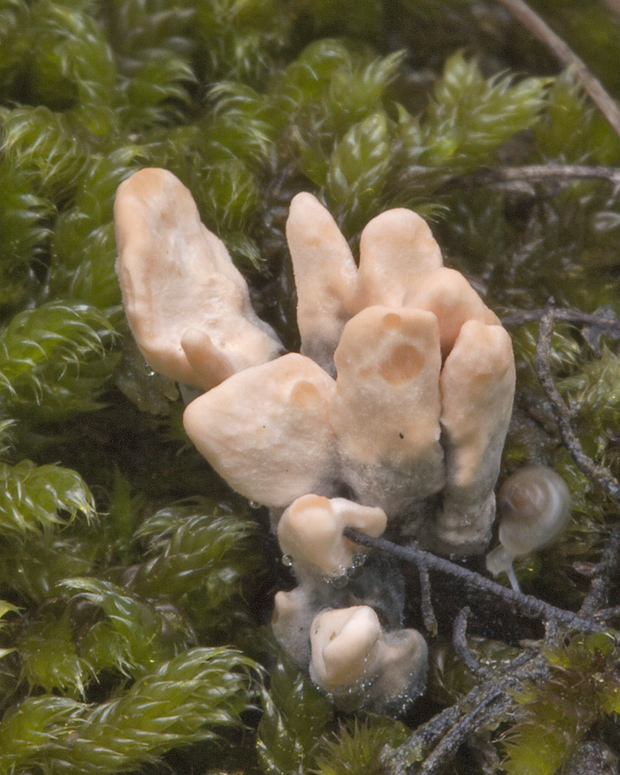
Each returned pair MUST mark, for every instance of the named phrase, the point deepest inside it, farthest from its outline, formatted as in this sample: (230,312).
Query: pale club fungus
(400,400)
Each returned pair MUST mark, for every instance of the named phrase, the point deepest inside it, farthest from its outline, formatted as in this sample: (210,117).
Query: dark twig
(603,320)
(459,638)
(603,575)
(415,748)
(586,465)
(552,633)
(536,173)
(433,744)
(610,560)
(426,603)
(605,614)
(589,82)
(526,604)
(492,706)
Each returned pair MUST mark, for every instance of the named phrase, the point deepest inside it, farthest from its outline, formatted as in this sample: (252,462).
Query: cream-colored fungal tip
(311,532)
(352,656)
(385,411)
(403,669)
(325,275)
(534,507)
(266,430)
(176,276)
(344,644)
(292,618)
(477,389)
(397,249)
(448,295)
(209,363)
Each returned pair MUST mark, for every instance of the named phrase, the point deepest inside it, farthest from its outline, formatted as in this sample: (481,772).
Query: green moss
(470,116)
(358,746)
(294,719)
(582,688)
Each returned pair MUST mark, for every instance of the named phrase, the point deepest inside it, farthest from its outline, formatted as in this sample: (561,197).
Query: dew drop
(287,560)
(339,582)
(254,504)
(338,578)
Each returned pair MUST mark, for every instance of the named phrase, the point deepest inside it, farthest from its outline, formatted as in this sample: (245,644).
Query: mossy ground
(137,587)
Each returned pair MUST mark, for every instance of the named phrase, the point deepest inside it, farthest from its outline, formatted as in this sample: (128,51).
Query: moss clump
(583,688)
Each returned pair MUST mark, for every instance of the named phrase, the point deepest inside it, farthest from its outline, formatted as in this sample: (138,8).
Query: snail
(534,507)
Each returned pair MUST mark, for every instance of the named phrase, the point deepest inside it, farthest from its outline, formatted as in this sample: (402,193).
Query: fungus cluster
(393,416)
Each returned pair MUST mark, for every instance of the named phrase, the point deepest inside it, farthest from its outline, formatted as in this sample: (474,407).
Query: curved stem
(603,320)
(515,177)
(528,605)
(562,51)
(586,465)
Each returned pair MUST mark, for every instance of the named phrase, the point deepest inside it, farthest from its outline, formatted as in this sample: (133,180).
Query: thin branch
(608,613)
(433,744)
(589,82)
(609,563)
(426,603)
(586,465)
(605,320)
(527,604)
(459,638)
(492,706)
(414,749)
(536,173)
(603,575)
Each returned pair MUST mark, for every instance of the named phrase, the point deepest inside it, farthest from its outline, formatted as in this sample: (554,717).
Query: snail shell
(534,507)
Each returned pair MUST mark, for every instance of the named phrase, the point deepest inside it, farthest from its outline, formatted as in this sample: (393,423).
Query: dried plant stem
(526,604)
(586,465)
(492,706)
(426,603)
(609,563)
(435,743)
(607,321)
(536,173)
(459,638)
(589,82)
(603,575)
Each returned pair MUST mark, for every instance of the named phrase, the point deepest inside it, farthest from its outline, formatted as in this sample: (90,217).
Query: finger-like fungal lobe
(534,507)
(397,250)
(310,533)
(353,656)
(325,277)
(292,618)
(386,407)
(477,385)
(187,305)
(266,430)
